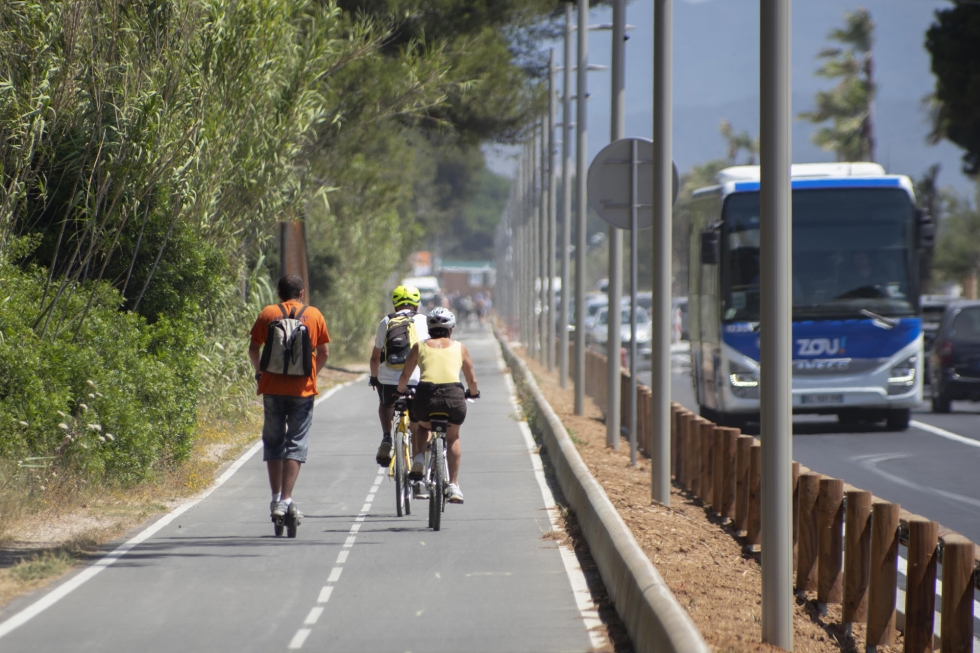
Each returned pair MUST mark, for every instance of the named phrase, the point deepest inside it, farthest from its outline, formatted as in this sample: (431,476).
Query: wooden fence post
(753,537)
(743,445)
(884,574)
(675,429)
(680,448)
(857,557)
(796,510)
(920,585)
(707,470)
(725,458)
(830,507)
(957,622)
(694,462)
(806,559)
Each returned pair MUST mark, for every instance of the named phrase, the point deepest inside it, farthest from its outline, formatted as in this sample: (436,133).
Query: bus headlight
(744,382)
(902,377)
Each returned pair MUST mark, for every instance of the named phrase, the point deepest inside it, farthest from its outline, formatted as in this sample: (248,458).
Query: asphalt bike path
(357,578)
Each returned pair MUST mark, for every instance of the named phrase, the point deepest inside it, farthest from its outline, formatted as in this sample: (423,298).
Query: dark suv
(955,357)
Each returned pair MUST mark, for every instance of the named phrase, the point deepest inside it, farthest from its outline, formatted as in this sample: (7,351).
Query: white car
(597,332)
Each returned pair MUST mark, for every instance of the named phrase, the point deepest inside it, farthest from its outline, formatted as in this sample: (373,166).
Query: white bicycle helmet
(440,317)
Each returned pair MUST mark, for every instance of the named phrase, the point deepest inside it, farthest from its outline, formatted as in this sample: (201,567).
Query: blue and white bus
(857,334)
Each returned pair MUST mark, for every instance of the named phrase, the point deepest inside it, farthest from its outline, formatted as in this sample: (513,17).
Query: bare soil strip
(701,560)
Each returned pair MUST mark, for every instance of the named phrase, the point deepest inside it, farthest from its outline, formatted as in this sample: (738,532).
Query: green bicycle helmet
(405,295)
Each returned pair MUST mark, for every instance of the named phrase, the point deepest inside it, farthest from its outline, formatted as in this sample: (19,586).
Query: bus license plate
(817,400)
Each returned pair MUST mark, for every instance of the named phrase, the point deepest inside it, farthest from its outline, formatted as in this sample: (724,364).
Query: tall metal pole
(634,228)
(566,199)
(534,204)
(550,167)
(663,36)
(543,242)
(776,323)
(581,199)
(617,130)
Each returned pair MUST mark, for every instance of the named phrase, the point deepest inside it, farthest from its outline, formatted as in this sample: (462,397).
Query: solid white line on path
(88,573)
(576,577)
(943,433)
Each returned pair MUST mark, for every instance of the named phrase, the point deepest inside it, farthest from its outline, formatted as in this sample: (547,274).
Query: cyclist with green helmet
(397,333)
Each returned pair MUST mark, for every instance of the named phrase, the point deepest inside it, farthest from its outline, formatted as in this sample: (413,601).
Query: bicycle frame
(401,460)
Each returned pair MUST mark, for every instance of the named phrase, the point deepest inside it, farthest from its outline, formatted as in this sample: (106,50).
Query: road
(357,578)
(933,473)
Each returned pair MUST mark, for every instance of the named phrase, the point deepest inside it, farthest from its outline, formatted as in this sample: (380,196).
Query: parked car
(955,356)
(933,308)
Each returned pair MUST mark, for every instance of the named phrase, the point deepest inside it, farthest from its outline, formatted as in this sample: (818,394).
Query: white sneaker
(419,490)
(277,508)
(455,494)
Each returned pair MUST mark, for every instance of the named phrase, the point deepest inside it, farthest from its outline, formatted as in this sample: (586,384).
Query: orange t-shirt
(281,384)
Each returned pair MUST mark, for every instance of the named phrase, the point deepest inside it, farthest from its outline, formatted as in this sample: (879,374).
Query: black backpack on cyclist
(399,339)
(288,349)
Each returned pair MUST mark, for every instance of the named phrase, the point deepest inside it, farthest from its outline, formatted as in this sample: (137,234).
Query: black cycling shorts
(388,394)
(448,398)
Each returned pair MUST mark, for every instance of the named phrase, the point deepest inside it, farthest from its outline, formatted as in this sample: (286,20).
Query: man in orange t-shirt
(287,400)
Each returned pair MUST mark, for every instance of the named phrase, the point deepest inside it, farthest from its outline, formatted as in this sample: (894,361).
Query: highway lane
(928,474)
(357,578)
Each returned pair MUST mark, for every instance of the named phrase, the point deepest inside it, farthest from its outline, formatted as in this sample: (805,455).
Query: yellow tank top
(440,365)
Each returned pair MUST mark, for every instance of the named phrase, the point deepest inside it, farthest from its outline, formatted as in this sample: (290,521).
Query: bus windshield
(851,253)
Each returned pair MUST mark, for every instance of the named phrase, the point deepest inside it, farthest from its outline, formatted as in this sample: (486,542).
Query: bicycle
(436,474)
(401,459)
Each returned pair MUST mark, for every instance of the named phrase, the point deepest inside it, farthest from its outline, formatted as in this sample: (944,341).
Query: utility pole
(617,130)
(552,224)
(776,323)
(663,198)
(566,199)
(543,231)
(581,208)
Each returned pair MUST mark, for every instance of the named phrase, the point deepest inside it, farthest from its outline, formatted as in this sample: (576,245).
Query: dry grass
(701,560)
(45,534)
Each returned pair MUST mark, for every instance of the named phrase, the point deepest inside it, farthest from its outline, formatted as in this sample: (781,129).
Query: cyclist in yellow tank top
(440,360)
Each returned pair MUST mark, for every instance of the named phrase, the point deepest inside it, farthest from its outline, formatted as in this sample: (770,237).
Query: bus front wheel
(898,419)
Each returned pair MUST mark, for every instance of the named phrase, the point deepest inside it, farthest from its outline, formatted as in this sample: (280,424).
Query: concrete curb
(654,619)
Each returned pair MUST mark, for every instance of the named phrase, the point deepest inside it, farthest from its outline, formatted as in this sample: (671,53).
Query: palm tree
(850,104)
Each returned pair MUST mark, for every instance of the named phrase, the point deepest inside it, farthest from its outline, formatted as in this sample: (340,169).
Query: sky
(716,76)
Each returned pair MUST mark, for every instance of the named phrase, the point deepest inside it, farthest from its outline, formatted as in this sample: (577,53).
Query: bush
(110,400)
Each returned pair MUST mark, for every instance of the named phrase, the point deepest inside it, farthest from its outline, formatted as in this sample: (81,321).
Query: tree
(738,142)
(954,43)
(957,256)
(850,104)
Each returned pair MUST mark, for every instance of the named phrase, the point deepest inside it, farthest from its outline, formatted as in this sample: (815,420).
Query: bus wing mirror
(710,247)
(925,229)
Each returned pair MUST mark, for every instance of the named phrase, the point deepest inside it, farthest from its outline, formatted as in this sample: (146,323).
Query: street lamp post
(776,322)
(566,200)
(662,215)
(617,130)
(581,208)
(552,225)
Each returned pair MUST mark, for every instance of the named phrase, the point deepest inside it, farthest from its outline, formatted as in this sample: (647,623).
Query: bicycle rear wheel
(400,472)
(406,483)
(438,497)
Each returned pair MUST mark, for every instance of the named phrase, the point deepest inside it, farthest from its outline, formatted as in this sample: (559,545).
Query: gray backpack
(287,347)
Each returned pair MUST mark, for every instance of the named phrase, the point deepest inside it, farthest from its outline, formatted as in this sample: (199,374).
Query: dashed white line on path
(326,591)
(576,577)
